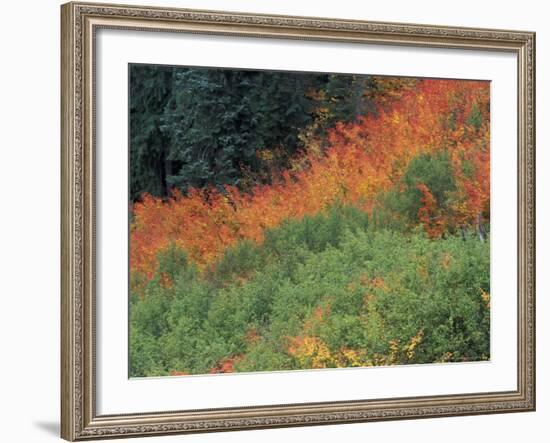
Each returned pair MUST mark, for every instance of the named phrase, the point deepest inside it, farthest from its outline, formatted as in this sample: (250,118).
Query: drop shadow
(50,427)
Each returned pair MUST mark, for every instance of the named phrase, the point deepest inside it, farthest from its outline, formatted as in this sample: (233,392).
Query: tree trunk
(480,228)
(167,173)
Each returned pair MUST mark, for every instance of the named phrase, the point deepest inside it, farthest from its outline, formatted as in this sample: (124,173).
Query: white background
(29,219)
(117,394)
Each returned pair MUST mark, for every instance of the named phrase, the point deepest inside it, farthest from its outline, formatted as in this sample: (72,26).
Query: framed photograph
(283,221)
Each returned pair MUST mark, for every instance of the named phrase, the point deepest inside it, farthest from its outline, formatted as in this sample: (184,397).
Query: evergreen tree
(218,119)
(150,90)
(200,127)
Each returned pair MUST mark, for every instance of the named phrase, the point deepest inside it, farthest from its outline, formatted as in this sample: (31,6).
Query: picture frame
(80,177)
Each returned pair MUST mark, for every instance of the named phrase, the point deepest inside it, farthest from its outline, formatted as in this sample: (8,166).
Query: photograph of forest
(292,220)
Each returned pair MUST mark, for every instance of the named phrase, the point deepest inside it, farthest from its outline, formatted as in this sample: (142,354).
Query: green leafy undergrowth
(324,291)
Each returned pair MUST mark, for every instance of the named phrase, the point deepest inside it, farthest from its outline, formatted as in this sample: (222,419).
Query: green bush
(398,208)
(385,296)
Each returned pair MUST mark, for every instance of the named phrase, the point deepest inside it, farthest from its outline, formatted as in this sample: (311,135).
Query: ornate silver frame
(79,22)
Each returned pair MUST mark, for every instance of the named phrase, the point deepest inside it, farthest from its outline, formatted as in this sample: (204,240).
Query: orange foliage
(177,373)
(427,214)
(252,336)
(486,298)
(226,365)
(362,159)
(433,117)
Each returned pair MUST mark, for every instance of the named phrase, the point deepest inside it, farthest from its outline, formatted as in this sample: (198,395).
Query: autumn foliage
(360,161)
(369,247)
